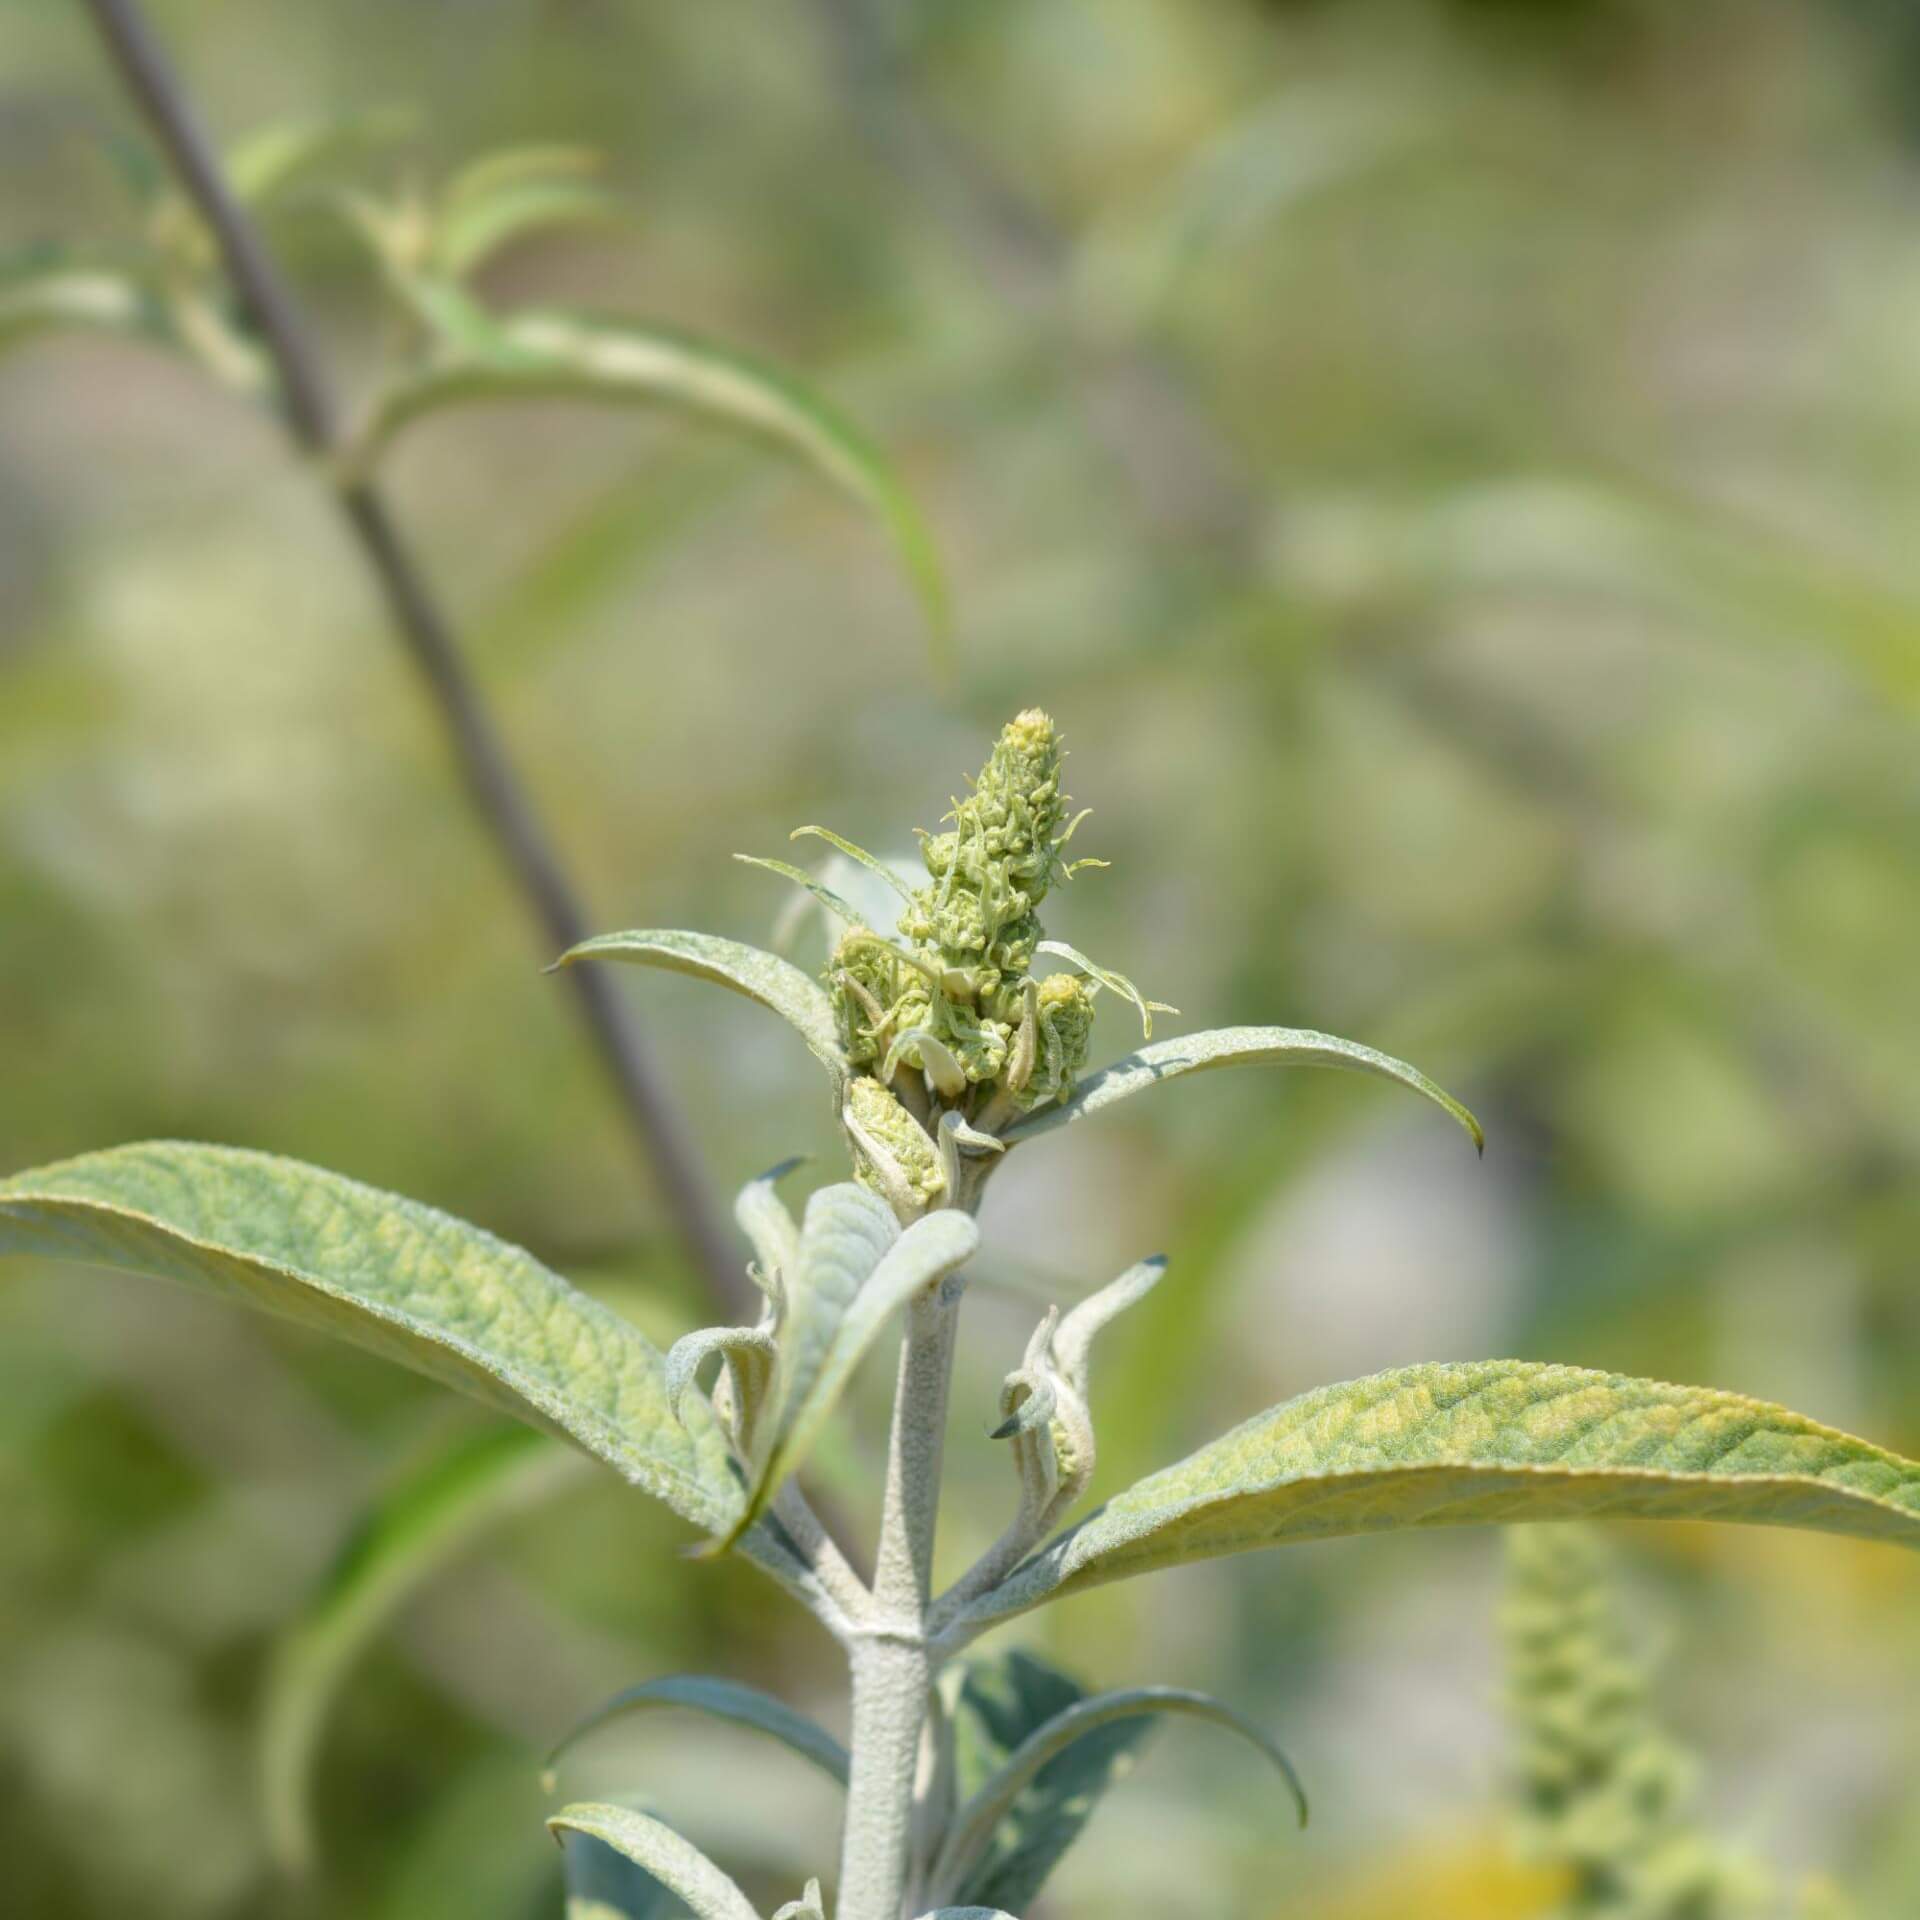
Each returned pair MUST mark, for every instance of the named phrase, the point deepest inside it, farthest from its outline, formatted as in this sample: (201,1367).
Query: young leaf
(871,861)
(414,1530)
(677,1864)
(475,225)
(833,903)
(990,1855)
(725,1700)
(405,1281)
(1484,1441)
(278,159)
(562,356)
(762,1216)
(65,300)
(777,984)
(1233,1047)
(1113,982)
(851,1277)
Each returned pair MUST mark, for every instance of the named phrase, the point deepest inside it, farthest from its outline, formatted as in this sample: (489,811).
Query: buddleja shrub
(958,1039)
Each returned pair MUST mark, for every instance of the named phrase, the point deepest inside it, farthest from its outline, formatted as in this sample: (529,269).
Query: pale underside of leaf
(569,356)
(730,1700)
(415,1529)
(776,984)
(1479,1442)
(1234,1047)
(675,1862)
(956,1872)
(400,1279)
(833,1325)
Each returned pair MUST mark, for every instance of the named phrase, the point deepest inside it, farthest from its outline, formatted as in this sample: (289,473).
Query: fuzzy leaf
(1113,982)
(852,1275)
(562,356)
(676,1863)
(777,984)
(414,1530)
(1233,1047)
(1485,1441)
(605,1885)
(403,1280)
(834,904)
(1001,1845)
(725,1700)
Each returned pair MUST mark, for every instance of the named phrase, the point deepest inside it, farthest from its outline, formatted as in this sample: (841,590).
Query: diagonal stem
(313,418)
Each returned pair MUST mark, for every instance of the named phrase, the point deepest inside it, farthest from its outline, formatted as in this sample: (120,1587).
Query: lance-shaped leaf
(776,984)
(605,1885)
(570,356)
(997,1706)
(1113,982)
(405,1281)
(1233,1047)
(990,1853)
(762,1216)
(852,1275)
(414,1530)
(725,1700)
(1483,1441)
(676,1863)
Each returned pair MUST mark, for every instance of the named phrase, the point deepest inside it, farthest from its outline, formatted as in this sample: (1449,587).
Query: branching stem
(313,418)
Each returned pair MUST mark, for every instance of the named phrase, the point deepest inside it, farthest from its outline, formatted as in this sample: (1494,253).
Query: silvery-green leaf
(762,1216)
(1073,1339)
(1113,982)
(560,355)
(851,1277)
(676,1863)
(725,1700)
(751,1347)
(834,904)
(605,1885)
(1000,1845)
(810,1906)
(1477,1442)
(277,159)
(414,1530)
(403,1280)
(1232,1047)
(491,205)
(871,861)
(777,984)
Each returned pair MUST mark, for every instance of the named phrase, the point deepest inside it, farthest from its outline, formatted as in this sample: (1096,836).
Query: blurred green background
(1452,470)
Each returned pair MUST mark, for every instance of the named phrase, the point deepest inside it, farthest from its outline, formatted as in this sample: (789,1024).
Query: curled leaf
(824,894)
(675,1862)
(1113,982)
(1233,1047)
(729,1700)
(776,984)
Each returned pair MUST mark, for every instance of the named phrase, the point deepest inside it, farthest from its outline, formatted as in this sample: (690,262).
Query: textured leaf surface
(776,984)
(724,1700)
(854,1271)
(559,355)
(999,1846)
(676,1863)
(1234,1047)
(414,1530)
(403,1280)
(605,1885)
(1484,1441)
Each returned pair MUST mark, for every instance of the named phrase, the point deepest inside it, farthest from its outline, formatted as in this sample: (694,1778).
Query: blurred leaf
(1006,1839)
(675,1862)
(776,984)
(62,300)
(1484,1442)
(1233,1047)
(564,356)
(282,157)
(414,1529)
(853,1272)
(403,1280)
(725,1700)
(505,196)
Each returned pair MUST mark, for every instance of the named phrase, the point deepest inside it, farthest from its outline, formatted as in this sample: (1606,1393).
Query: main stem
(314,419)
(892,1666)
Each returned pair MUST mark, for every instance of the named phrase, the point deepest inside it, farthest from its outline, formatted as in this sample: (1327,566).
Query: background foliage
(1450,466)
